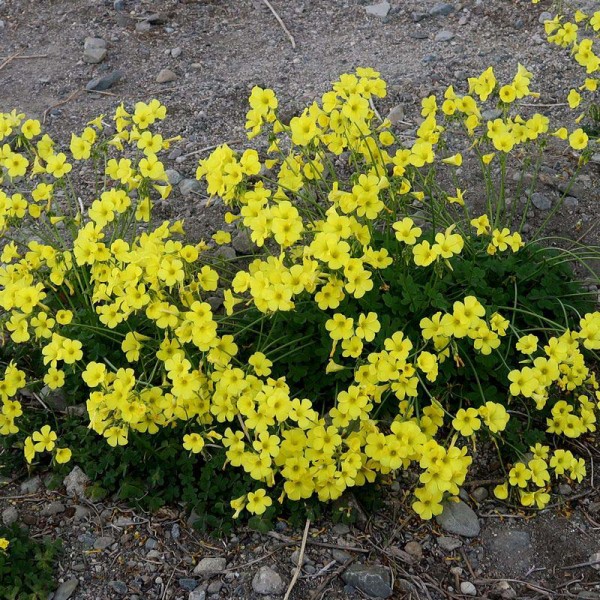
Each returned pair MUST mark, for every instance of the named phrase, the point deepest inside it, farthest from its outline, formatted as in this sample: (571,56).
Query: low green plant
(27,566)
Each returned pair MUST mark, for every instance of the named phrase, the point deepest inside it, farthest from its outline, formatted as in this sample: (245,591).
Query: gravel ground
(480,549)
(215,52)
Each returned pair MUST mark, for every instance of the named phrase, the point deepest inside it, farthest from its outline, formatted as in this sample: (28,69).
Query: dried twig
(164,594)
(287,32)
(590,563)
(61,103)
(531,586)
(10,59)
(317,594)
(468,563)
(283,538)
(27,57)
(300,560)
(100,92)
(374,109)
(256,560)
(322,571)
(545,105)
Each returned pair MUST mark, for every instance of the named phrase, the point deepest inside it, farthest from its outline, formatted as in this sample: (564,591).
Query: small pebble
(165,76)
(466,587)
(189,584)
(119,586)
(414,549)
(443,36)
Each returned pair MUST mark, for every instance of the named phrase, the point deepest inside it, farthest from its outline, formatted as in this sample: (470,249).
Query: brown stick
(15,57)
(317,594)
(287,32)
(100,92)
(300,559)
(9,59)
(61,103)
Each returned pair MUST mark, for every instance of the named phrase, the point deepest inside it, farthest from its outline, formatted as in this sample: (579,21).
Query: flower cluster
(105,275)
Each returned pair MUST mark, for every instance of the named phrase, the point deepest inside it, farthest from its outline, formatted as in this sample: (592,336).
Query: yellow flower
(4,543)
(574,98)
(45,439)
(64,317)
(507,94)
(261,364)
(193,442)
(340,327)
(406,231)
(527,344)
(31,128)
(94,374)
(481,224)
(57,165)
(258,502)
(519,475)
(80,148)
(424,254)
(501,491)
(222,237)
(455,160)
(466,421)
(458,199)
(63,455)
(428,503)
(578,140)
(54,378)
(29,450)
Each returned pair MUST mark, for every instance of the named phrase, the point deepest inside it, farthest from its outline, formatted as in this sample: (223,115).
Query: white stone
(466,587)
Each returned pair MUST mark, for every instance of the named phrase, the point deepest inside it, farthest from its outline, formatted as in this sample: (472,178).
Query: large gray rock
(541,201)
(459,519)
(267,582)
(10,515)
(373,580)
(173,176)
(212,565)
(31,486)
(66,589)
(94,50)
(104,542)
(75,483)
(381,9)
(54,508)
(189,186)
(242,243)
(441,9)
(104,82)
